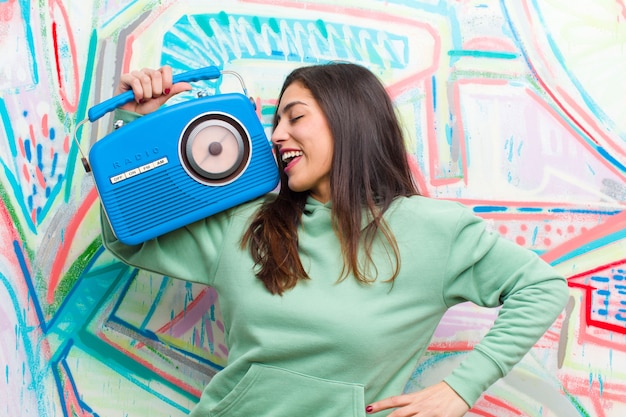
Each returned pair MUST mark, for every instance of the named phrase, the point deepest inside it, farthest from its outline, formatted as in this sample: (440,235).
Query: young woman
(332,288)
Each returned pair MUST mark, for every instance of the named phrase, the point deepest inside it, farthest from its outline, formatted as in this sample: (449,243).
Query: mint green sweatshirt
(327,348)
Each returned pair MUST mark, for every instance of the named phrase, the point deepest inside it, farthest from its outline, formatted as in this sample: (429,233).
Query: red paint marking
(452,346)
(57,60)
(145,363)
(580,387)
(70,396)
(20,142)
(129,53)
(192,313)
(33,139)
(69,105)
(65,245)
(490,44)
(617,224)
(25,173)
(9,232)
(66,144)
(44,126)
(483,413)
(498,402)
(588,300)
(7,11)
(40,177)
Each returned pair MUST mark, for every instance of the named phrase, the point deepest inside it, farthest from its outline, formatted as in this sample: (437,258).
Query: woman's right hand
(151,88)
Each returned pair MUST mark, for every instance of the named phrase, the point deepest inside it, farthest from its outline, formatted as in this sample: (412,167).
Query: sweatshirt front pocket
(270,391)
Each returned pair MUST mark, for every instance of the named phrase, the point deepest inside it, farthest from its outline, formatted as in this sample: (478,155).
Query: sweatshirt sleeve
(490,271)
(191,253)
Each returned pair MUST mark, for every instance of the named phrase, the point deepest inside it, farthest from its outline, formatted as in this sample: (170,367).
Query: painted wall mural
(516,108)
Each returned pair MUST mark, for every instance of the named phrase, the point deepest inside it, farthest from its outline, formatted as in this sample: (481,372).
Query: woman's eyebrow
(290,105)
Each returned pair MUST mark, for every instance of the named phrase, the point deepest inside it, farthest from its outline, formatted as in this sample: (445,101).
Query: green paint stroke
(73,274)
(577,404)
(4,196)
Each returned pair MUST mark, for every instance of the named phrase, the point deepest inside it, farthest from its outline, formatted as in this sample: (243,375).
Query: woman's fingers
(151,88)
(438,400)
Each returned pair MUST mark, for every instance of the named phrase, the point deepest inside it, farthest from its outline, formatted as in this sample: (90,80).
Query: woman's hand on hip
(438,400)
(151,88)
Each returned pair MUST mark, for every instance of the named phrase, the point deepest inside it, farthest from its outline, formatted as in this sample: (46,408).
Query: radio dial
(215,149)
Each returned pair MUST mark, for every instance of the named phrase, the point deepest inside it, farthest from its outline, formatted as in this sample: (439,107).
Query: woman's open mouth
(290,157)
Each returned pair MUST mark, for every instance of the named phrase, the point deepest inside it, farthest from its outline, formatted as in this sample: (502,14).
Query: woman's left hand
(438,400)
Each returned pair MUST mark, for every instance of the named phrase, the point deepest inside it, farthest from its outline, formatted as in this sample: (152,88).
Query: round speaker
(215,149)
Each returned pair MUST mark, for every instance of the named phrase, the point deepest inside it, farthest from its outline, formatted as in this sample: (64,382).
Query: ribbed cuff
(473,376)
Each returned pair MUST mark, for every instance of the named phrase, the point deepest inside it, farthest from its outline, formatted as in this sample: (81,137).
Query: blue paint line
(62,364)
(197,358)
(55,160)
(358,43)
(583,211)
(27,152)
(81,111)
(433,81)
(483,54)
(50,202)
(489,209)
(587,99)
(30,285)
(77,334)
(454,31)
(530,209)
(84,300)
(593,245)
(155,303)
(114,359)
(25,6)
(40,157)
(8,127)
(32,359)
(133,275)
(610,158)
(58,382)
(147,333)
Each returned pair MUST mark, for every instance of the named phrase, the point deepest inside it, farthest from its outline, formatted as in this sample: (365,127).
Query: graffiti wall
(516,108)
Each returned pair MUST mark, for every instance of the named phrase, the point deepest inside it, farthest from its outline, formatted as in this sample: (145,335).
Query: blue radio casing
(144,181)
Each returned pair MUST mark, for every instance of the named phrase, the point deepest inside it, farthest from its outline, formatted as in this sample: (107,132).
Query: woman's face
(304,141)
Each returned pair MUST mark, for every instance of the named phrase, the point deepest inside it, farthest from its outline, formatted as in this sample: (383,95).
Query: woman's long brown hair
(369,170)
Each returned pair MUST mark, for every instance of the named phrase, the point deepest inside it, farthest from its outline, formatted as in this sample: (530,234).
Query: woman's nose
(278,135)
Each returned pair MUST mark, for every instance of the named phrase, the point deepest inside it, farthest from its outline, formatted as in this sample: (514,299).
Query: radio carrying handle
(99,110)
(206,73)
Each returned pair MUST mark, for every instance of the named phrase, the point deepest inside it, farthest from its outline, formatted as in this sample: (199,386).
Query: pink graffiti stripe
(69,103)
(66,243)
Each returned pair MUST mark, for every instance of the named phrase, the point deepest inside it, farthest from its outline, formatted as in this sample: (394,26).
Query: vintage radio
(181,163)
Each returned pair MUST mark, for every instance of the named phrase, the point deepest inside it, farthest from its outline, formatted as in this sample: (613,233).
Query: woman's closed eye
(295,119)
